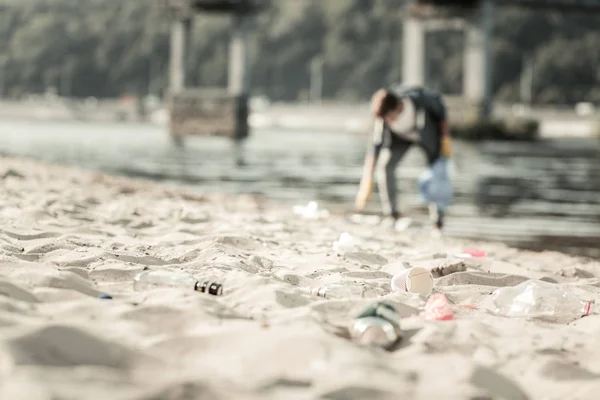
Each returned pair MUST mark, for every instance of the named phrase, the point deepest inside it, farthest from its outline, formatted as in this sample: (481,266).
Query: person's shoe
(436,216)
(436,233)
(402,224)
(433,213)
(439,223)
(396,222)
(388,222)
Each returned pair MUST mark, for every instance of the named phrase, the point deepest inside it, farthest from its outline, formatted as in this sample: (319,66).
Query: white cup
(414,280)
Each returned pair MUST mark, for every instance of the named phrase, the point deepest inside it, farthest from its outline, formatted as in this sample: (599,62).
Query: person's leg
(386,179)
(424,183)
(439,191)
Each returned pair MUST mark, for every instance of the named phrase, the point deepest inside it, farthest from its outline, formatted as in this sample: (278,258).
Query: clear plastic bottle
(344,291)
(163,279)
(538,299)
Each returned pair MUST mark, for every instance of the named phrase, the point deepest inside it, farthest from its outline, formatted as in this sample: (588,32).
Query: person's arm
(444,128)
(435,105)
(366,182)
(446,139)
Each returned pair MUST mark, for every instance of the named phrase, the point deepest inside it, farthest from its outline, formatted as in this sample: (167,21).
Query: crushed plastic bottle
(344,291)
(538,299)
(163,279)
(377,325)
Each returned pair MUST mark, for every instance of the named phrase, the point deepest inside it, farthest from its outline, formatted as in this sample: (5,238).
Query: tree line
(108,48)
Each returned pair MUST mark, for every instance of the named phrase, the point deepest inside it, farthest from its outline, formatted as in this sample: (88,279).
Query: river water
(521,194)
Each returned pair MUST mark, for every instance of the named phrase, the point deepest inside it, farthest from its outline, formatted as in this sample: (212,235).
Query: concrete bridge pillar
(238,80)
(413,57)
(177,55)
(213,112)
(477,67)
(477,76)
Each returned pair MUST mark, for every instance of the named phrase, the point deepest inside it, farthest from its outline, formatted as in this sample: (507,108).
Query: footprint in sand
(367,275)
(290,300)
(58,280)
(64,346)
(239,242)
(496,385)
(261,262)
(357,392)
(565,371)
(364,257)
(13,291)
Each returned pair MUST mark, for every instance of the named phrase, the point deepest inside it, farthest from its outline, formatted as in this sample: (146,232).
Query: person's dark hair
(383,102)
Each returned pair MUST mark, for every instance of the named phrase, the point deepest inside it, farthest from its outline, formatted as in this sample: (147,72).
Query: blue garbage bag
(435,185)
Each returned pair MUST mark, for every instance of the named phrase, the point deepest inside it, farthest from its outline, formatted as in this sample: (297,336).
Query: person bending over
(389,145)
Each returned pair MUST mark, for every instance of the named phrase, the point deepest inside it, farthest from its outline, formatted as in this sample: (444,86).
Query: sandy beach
(70,237)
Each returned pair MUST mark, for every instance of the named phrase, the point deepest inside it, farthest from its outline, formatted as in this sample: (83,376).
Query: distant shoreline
(353,118)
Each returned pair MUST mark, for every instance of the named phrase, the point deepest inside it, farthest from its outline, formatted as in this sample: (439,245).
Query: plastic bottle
(538,299)
(163,279)
(344,291)
(377,325)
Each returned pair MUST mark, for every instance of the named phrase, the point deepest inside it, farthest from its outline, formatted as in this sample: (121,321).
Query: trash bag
(435,185)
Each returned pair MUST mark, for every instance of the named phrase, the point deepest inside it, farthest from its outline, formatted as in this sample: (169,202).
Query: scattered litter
(163,279)
(467,253)
(377,325)
(310,211)
(538,299)
(413,280)
(345,244)
(438,309)
(344,291)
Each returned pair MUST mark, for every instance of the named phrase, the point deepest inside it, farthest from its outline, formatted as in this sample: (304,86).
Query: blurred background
(86,82)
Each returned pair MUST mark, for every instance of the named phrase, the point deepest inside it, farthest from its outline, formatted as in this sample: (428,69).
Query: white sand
(67,236)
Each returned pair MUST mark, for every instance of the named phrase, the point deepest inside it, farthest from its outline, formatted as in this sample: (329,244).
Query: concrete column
(477,84)
(238,82)
(188,34)
(316,80)
(177,56)
(413,60)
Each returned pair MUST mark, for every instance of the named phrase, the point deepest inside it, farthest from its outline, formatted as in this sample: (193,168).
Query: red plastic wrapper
(438,309)
(475,253)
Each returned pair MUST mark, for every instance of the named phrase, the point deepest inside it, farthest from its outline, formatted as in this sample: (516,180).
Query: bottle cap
(216,289)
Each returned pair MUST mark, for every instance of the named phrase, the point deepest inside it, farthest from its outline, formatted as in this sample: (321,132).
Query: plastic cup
(414,280)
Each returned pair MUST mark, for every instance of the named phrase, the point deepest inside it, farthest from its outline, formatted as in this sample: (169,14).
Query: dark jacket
(430,111)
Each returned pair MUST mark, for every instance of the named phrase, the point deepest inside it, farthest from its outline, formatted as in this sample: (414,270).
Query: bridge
(563,5)
(224,112)
(475,18)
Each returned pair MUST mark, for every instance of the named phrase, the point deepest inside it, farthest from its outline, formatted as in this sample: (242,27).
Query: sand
(68,236)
